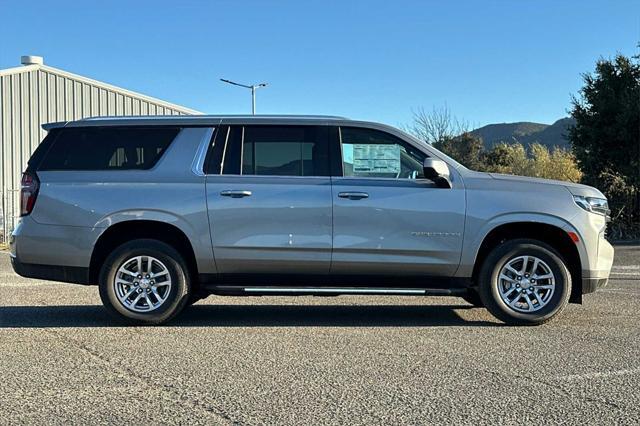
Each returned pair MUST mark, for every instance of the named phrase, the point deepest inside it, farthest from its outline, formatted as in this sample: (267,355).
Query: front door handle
(235,193)
(353,195)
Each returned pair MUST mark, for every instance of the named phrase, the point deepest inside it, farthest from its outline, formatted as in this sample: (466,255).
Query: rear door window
(108,148)
(271,151)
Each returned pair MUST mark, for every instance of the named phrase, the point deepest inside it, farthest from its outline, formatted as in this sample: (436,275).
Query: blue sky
(493,61)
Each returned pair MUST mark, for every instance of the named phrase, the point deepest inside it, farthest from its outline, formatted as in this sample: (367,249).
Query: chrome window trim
(224,150)
(197,167)
(272,176)
(383,179)
(341,151)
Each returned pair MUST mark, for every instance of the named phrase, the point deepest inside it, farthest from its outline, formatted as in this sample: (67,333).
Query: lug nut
(519,277)
(139,290)
(153,282)
(139,276)
(147,276)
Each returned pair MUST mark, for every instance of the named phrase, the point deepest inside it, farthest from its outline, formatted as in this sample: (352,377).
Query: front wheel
(145,282)
(524,282)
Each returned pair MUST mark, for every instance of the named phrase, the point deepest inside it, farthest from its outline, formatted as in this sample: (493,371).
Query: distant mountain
(526,133)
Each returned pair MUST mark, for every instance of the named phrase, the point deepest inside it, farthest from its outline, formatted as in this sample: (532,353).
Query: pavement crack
(557,387)
(173,393)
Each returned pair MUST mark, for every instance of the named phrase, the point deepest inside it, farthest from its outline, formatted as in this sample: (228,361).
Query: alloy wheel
(526,284)
(142,283)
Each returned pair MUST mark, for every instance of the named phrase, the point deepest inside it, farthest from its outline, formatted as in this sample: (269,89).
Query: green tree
(510,159)
(466,149)
(606,138)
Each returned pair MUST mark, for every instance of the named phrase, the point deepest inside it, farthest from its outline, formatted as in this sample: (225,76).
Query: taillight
(28,192)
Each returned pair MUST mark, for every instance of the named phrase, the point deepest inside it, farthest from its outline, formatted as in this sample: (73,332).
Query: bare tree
(436,125)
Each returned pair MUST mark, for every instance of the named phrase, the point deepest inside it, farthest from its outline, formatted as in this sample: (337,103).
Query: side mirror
(437,171)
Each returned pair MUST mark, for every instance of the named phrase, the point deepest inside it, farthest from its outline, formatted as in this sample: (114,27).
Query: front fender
(474,237)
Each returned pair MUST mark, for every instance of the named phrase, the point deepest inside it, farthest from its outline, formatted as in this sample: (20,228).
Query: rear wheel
(524,282)
(144,282)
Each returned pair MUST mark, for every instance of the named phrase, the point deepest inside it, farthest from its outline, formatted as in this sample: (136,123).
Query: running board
(332,291)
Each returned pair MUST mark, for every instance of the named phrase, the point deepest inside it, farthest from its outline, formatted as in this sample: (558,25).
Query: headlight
(594,205)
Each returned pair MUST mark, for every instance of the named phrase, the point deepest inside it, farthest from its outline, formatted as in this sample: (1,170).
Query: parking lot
(317,360)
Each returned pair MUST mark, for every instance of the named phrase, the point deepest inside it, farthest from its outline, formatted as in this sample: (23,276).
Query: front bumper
(598,277)
(590,285)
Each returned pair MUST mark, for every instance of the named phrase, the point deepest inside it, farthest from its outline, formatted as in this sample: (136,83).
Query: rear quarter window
(108,148)
(41,151)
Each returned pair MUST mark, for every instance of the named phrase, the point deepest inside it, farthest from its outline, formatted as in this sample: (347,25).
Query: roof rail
(218,117)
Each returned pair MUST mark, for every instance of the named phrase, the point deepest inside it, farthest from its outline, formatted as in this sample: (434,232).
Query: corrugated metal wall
(30,98)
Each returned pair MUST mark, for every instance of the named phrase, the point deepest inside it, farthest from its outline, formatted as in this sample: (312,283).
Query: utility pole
(253,88)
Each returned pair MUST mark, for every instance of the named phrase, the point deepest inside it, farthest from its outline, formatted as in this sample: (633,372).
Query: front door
(387,219)
(269,200)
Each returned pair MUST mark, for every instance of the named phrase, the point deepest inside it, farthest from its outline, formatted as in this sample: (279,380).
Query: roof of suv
(195,120)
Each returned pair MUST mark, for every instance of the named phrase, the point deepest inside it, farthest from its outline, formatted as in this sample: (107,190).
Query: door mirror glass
(437,171)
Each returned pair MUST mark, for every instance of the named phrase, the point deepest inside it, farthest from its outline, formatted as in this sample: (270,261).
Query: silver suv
(161,212)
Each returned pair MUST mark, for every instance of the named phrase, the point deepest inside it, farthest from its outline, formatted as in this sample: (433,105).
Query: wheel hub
(142,283)
(526,284)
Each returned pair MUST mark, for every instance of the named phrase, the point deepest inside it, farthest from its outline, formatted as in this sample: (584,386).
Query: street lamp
(253,88)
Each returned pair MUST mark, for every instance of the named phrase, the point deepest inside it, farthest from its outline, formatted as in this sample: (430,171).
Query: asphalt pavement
(318,360)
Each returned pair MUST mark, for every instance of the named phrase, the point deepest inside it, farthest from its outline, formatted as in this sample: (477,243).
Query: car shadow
(250,316)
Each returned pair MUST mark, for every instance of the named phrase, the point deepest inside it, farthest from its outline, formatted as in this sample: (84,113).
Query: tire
(473,298)
(167,263)
(498,291)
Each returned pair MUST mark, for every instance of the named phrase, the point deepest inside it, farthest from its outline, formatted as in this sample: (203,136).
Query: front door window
(371,153)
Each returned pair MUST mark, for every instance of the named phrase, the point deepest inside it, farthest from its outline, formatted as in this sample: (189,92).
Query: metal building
(33,94)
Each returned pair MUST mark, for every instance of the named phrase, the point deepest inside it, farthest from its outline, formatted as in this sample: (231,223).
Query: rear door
(388,219)
(269,199)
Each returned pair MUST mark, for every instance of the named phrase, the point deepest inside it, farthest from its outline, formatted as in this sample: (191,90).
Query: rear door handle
(353,195)
(235,193)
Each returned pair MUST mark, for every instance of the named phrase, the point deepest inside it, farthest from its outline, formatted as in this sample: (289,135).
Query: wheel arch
(122,232)
(551,234)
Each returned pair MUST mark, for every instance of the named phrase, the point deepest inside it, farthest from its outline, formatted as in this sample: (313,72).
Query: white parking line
(625,267)
(598,375)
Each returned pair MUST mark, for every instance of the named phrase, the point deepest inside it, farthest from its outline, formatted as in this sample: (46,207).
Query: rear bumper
(67,274)
(35,243)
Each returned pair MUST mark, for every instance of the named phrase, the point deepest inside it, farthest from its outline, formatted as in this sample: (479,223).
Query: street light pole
(253,88)
(253,100)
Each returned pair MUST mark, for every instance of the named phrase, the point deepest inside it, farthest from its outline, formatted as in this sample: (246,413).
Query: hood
(574,188)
